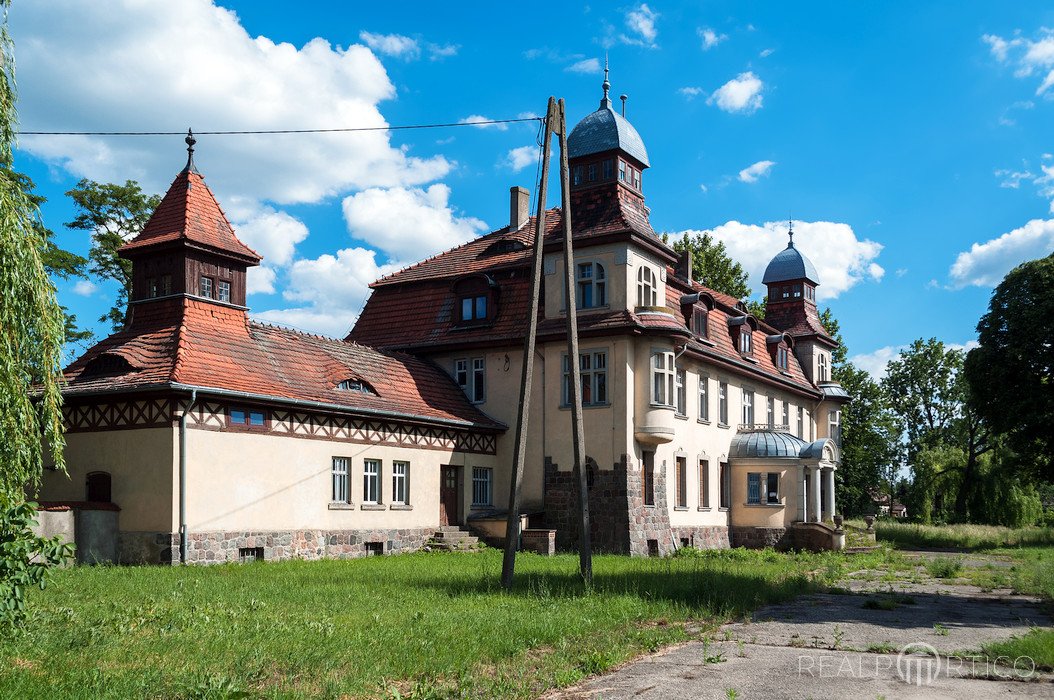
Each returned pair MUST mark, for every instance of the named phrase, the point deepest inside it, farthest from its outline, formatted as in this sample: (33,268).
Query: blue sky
(910,142)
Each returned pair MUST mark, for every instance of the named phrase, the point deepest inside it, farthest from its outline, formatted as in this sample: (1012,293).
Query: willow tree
(31,336)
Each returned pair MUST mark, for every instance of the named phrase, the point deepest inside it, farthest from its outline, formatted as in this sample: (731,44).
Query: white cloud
(586,65)
(741,94)
(641,22)
(395,45)
(85,68)
(1011,179)
(690,91)
(985,264)
(84,288)
(519,158)
(437,52)
(765,53)
(875,363)
(751,173)
(480,122)
(408,223)
(1028,56)
(260,280)
(272,234)
(842,260)
(710,37)
(332,290)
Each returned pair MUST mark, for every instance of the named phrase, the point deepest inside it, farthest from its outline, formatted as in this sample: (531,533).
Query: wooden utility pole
(585,549)
(512,527)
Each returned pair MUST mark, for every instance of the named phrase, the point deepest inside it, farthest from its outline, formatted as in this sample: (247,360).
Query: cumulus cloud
(750,174)
(480,122)
(84,288)
(586,65)
(710,38)
(641,23)
(395,45)
(274,235)
(1029,57)
(842,260)
(742,94)
(519,158)
(408,223)
(985,264)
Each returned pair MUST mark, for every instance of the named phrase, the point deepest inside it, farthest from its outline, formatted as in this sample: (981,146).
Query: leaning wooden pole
(585,549)
(512,528)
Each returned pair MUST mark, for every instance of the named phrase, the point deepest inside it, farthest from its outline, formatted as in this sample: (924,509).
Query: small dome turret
(606,130)
(790,265)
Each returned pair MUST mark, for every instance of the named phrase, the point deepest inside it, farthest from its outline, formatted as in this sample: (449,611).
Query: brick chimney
(519,207)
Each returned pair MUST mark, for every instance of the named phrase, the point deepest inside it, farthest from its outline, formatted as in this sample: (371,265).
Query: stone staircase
(453,538)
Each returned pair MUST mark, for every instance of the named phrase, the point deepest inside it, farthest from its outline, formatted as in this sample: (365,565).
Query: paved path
(846,646)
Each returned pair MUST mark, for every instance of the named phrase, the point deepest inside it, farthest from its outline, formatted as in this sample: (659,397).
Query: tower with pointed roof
(188,248)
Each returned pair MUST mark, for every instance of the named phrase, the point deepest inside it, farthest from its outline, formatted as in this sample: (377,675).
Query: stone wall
(218,547)
(649,532)
(711,537)
(608,517)
(760,537)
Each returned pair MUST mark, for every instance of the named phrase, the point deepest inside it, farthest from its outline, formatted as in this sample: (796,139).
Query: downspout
(183,476)
(675,545)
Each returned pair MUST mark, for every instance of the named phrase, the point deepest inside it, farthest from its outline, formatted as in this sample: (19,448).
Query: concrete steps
(453,538)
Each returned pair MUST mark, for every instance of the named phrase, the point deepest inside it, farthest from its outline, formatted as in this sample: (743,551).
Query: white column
(801,505)
(828,506)
(813,511)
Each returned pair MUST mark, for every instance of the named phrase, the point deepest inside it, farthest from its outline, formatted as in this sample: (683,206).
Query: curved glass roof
(765,443)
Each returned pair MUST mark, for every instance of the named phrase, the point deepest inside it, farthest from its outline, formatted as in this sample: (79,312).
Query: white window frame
(470,373)
(748,407)
(223,291)
(371,481)
(704,398)
(722,403)
(482,486)
(834,426)
(680,388)
(821,367)
(786,416)
(591,276)
(662,378)
(400,483)
(770,412)
(341,486)
(593,370)
(647,286)
(205,286)
(745,343)
(801,422)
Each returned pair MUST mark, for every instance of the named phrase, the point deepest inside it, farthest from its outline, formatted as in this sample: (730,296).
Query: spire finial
(790,232)
(190,140)
(605,101)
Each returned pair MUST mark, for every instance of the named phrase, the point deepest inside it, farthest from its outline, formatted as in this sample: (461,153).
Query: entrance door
(449,495)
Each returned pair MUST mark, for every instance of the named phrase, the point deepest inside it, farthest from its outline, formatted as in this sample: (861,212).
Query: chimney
(684,265)
(519,207)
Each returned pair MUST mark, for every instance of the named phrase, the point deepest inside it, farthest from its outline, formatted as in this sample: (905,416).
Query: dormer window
(746,340)
(475,300)
(700,322)
(646,292)
(782,358)
(473,308)
(356,385)
(821,367)
(205,287)
(592,285)
(223,291)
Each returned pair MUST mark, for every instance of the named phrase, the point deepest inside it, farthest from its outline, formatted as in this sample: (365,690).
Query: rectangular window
(206,287)
(607,169)
(763,488)
(704,397)
(371,481)
(781,358)
(592,286)
(722,394)
(223,289)
(592,170)
(726,485)
(593,369)
(647,478)
(461,374)
(680,378)
(772,487)
(801,422)
(474,308)
(481,486)
(786,416)
(622,170)
(400,483)
(699,322)
(748,407)
(746,344)
(479,376)
(662,379)
(166,285)
(754,488)
(252,417)
(151,287)
(834,428)
(340,480)
(821,367)
(770,412)
(682,483)
(704,483)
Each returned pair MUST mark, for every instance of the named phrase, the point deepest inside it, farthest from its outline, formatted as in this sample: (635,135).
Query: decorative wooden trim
(118,415)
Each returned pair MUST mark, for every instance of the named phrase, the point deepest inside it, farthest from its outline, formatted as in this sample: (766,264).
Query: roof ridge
(291,329)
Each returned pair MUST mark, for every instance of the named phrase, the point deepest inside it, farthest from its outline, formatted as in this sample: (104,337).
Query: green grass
(415,625)
(944,567)
(1037,645)
(960,536)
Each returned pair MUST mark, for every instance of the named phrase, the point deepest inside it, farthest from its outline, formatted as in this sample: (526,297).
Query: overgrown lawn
(961,536)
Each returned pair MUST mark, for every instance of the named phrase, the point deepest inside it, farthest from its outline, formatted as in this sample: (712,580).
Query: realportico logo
(917,664)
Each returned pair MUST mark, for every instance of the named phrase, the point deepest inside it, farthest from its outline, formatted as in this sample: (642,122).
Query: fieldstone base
(712,537)
(760,537)
(225,546)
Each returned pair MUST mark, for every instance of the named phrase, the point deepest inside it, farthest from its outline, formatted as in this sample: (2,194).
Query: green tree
(871,450)
(113,214)
(1010,373)
(840,355)
(712,266)
(31,337)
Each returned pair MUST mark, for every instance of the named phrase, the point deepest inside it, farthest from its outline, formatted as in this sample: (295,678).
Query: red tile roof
(208,345)
(189,212)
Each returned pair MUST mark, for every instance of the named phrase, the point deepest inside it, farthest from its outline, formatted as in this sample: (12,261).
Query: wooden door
(449,495)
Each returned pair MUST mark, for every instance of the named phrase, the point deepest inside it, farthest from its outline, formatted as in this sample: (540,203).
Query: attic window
(781,358)
(358,385)
(699,321)
(505,245)
(107,363)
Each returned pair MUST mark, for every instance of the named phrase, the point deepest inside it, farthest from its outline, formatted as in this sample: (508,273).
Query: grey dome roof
(789,264)
(765,443)
(814,450)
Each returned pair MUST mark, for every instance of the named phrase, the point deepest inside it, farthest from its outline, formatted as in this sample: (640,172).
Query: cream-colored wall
(744,515)
(247,481)
(614,264)
(140,463)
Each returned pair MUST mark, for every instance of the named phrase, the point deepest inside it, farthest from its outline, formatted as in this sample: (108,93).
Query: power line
(404,127)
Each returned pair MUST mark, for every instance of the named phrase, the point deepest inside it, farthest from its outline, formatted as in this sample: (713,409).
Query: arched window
(592,285)
(356,385)
(646,295)
(97,487)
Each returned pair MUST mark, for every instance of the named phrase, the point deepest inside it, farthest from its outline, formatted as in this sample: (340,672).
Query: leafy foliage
(113,214)
(25,560)
(1011,373)
(713,267)
(840,355)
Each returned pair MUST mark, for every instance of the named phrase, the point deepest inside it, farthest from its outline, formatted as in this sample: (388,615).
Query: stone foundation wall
(608,517)
(649,532)
(712,537)
(760,537)
(218,547)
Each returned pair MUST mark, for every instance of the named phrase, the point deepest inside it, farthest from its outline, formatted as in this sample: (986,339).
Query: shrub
(25,560)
